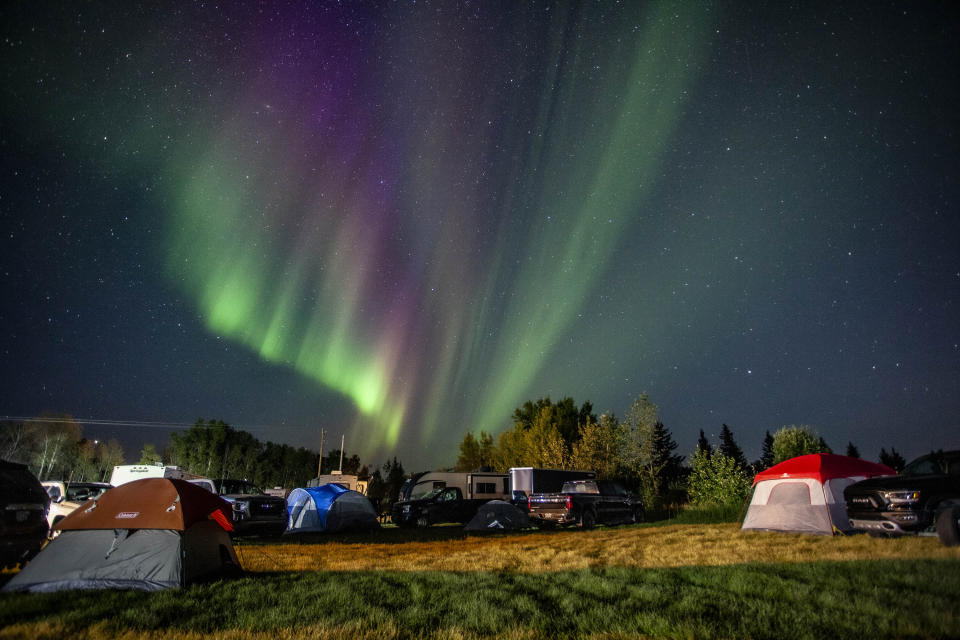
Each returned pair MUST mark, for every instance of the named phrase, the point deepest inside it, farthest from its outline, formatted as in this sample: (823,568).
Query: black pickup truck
(586,503)
(923,498)
(440,505)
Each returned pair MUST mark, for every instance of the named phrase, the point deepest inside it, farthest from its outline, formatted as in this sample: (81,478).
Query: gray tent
(498,514)
(149,534)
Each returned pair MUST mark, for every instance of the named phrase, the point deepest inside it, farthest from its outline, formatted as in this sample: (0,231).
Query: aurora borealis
(399,221)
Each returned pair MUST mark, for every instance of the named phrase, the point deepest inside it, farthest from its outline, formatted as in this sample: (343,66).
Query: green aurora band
(291,262)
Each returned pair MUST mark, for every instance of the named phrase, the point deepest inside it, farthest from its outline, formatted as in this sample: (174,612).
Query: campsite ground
(666,580)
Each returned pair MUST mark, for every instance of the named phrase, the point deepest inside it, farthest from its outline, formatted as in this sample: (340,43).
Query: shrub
(717,480)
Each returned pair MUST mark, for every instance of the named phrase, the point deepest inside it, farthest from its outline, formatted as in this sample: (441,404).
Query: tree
(57,437)
(511,449)
(792,441)
(852,451)
(469,458)
(546,446)
(766,453)
(487,450)
(717,480)
(665,468)
(564,415)
(637,452)
(703,444)
(216,450)
(347,465)
(598,446)
(149,455)
(637,444)
(893,459)
(394,479)
(823,446)
(729,447)
(109,455)
(377,491)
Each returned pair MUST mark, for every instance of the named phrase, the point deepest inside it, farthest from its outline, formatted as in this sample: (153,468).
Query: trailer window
(486,487)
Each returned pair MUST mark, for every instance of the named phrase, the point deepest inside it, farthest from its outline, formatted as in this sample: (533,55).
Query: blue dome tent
(329,507)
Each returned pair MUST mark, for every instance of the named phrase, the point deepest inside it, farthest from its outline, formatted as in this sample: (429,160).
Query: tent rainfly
(805,494)
(148,534)
(329,508)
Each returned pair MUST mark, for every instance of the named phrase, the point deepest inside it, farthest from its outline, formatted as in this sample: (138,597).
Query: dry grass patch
(632,547)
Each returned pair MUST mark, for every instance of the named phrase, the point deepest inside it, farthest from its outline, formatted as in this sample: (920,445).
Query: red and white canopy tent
(805,494)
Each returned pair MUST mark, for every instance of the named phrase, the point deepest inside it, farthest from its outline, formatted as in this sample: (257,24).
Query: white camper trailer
(479,485)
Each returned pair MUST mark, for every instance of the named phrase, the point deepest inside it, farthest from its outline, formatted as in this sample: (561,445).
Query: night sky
(400,220)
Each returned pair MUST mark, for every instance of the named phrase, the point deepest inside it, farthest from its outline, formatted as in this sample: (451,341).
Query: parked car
(924,498)
(586,503)
(254,512)
(66,497)
(23,508)
(440,505)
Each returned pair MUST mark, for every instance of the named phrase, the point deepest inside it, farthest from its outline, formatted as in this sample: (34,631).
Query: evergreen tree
(824,447)
(852,451)
(394,479)
(766,452)
(729,447)
(377,491)
(704,445)
(667,466)
(893,459)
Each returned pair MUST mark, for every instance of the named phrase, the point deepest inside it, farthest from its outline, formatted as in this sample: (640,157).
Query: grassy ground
(709,581)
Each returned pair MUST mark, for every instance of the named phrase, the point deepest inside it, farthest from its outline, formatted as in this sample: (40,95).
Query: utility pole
(341,454)
(320,463)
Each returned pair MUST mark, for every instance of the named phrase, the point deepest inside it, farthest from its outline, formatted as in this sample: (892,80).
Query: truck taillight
(530,502)
(569,502)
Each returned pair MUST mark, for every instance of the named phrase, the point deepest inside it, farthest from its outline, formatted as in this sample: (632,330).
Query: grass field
(679,581)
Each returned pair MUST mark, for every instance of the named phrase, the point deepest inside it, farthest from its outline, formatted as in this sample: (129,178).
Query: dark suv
(23,514)
(254,512)
(925,495)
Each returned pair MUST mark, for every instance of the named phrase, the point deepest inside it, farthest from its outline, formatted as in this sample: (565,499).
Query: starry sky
(398,221)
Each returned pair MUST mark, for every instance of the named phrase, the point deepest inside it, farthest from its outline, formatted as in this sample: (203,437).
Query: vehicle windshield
(431,494)
(231,487)
(934,464)
(80,492)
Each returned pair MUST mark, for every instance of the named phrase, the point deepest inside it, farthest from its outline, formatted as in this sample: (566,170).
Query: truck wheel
(948,526)
(423,521)
(587,519)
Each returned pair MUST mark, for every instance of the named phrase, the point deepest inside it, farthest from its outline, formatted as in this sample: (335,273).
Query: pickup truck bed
(586,503)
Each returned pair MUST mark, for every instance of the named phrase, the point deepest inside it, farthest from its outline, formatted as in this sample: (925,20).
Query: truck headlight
(902,497)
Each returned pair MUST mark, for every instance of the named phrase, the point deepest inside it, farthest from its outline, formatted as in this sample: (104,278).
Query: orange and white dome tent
(805,494)
(148,534)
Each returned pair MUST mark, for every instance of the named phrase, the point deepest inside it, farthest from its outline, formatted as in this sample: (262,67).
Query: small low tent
(148,534)
(329,508)
(805,494)
(498,514)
